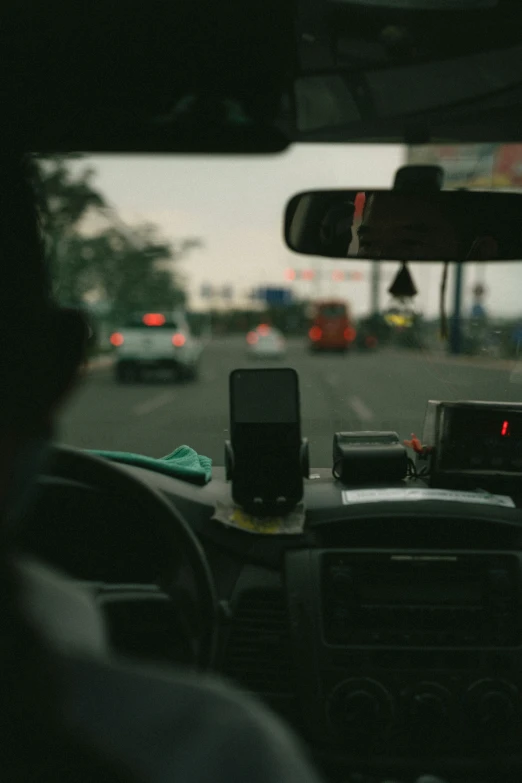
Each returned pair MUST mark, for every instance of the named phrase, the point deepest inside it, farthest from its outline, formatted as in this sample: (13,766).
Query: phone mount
(266,505)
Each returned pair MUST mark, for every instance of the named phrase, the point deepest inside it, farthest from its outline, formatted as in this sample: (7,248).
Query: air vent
(258,654)
(417,532)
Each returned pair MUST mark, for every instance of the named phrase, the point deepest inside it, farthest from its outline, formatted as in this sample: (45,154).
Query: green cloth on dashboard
(184,463)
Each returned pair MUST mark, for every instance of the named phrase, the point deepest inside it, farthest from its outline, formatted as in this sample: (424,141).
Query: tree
(129,266)
(64,200)
(128,271)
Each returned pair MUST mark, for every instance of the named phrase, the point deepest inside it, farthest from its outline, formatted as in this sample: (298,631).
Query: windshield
(332,311)
(198,242)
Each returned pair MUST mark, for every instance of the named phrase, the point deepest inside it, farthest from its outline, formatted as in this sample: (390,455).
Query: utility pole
(455,327)
(375,286)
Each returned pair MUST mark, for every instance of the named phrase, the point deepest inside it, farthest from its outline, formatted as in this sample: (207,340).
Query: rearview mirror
(394,225)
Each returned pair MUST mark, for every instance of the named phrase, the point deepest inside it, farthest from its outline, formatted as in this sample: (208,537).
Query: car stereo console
(419,600)
(411,652)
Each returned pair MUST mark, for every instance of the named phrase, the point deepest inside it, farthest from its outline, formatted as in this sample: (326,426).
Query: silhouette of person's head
(41,345)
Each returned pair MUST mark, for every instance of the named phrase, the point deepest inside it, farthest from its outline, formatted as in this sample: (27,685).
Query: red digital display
(482,439)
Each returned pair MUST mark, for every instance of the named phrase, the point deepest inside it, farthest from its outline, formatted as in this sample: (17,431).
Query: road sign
(278,296)
(227,292)
(478,311)
(275,296)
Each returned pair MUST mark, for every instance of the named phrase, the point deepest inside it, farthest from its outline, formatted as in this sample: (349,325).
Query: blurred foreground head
(41,345)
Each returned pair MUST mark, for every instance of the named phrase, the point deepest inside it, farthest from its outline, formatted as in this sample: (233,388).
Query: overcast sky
(236,205)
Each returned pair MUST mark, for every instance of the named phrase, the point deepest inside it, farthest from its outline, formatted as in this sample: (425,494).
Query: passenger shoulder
(179,726)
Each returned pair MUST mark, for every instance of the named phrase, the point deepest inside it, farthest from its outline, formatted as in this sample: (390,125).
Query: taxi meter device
(470,444)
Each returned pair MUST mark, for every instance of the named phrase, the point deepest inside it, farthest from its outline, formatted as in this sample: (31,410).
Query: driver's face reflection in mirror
(335,230)
(398,226)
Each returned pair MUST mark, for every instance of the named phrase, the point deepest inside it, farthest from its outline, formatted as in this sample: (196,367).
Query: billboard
(507,171)
(474,165)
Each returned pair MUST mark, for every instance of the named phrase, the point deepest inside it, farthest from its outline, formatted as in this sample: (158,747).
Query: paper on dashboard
(233,516)
(350,496)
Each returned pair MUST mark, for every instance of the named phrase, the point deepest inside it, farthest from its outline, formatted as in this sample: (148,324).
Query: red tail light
(178,340)
(350,334)
(117,339)
(263,329)
(252,338)
(153,319)
(315,333)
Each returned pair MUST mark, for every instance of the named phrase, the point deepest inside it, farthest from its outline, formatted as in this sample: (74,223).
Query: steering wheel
(102,475)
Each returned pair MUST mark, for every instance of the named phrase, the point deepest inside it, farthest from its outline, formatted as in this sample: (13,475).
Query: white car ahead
(265,342)
(155,341)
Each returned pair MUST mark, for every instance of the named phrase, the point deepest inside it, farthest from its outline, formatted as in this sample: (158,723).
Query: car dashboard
(387,634)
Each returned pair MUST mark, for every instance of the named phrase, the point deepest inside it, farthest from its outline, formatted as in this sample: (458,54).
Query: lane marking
(516,374)
(152,404)
(359,407)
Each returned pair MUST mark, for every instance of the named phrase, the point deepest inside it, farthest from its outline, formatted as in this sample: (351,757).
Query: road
(385,390)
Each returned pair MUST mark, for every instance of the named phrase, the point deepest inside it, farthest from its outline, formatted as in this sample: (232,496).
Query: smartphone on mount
(265,434)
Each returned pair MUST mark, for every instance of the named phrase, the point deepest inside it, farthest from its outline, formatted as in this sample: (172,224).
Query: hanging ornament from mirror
(403,286)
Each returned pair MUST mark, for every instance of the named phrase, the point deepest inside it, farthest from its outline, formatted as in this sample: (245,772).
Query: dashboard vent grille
(258,655)
(417,532)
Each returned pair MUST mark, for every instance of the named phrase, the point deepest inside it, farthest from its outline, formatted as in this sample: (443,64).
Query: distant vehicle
(407,328)
(366,340)
(155,341)
(399,319)
(332,328)
(372,333)
(265,342)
